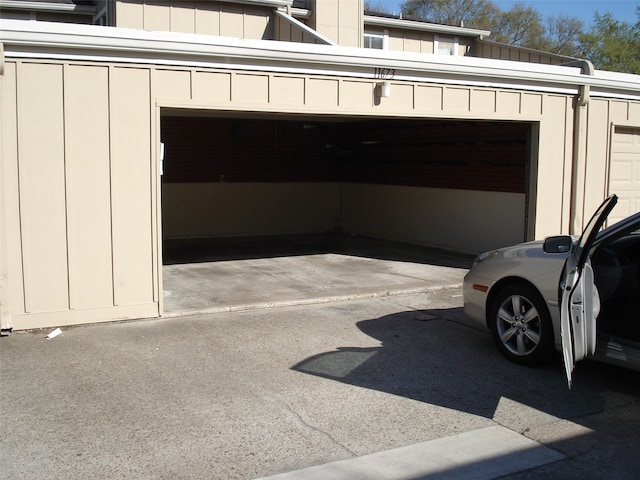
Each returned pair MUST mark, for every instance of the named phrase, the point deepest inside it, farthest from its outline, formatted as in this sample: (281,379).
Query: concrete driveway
(311,357)
(392,387)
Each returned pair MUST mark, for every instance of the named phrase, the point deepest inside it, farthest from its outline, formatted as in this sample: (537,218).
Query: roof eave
(44,6)
(424,26)
(27,39)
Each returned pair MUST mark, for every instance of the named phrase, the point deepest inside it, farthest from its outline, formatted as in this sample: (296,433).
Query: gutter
(579,157)
(48,40)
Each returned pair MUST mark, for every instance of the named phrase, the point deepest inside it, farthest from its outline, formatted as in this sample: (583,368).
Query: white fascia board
(28,39)
(424,26)
(43,6)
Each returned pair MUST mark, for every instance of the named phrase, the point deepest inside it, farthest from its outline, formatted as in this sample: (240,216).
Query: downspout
(5,315)
(576,206)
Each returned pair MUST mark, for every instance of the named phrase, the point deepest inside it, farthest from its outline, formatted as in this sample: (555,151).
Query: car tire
(521,325)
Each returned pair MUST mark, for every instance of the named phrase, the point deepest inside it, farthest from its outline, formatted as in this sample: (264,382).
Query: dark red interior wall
(489,156)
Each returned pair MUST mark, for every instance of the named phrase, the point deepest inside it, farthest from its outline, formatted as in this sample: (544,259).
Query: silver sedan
(573,294)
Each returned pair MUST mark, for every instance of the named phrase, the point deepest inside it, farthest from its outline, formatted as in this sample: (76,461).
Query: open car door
(580,303)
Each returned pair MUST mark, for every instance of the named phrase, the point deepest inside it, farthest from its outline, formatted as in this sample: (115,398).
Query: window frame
(453,41)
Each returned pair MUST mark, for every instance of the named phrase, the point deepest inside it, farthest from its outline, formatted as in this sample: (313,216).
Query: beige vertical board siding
(131,186)
(11,280)
(339,20)
(554,167)
(241,21)
(350,15)
(250,89)
(183,16)
(231,21)
(325,18)
(396,42)
(401,99)
(321,92)
(130,15)
(618,111)
(157,17)
(624,179)
(284,30)
(357,94)
(287,91)
(412,43)
(494,52)
(508,103)
(42,187)
(531,104)
(504,52)
(483,101)
(88,186)
(456,99)
(174,84)
(429,99)
(463,47)
(597,153)
(212,86)
(207,18)
(256,24)
(634,112)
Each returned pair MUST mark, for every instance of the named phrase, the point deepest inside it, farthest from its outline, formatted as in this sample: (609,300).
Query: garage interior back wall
(453,184)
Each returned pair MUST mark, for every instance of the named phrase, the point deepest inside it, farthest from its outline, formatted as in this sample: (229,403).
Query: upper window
(445,46)
(374,40)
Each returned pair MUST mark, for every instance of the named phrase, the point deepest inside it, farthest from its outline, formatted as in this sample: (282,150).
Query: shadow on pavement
(432,356)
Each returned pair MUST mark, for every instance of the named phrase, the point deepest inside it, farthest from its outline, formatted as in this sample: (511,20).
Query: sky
(622,10)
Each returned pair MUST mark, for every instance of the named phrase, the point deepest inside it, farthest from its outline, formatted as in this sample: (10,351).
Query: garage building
(252,118)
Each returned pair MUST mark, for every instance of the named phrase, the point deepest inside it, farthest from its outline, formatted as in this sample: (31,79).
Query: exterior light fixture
(385,89)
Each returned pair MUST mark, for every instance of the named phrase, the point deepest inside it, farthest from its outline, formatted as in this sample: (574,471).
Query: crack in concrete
(307,426)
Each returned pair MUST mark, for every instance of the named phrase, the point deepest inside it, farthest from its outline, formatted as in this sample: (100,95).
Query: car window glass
(593,227)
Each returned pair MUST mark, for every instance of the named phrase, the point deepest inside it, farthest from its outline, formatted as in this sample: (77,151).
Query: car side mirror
(558,244)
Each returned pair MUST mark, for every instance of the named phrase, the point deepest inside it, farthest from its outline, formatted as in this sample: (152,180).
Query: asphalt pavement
(389,387)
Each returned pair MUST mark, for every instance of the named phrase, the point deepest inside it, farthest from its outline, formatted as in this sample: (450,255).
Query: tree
(376,6)
(609,44)
(520,26)
(563,35)
(470,13)
(613,45)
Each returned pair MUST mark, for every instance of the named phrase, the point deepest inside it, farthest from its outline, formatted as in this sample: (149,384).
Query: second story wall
(500,51)
(339,20)
(422,42)
(202,17)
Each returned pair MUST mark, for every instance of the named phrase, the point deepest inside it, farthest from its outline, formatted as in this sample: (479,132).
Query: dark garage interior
(226,154)
(467,155)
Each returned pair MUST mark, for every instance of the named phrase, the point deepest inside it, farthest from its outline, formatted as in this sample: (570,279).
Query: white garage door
(624,176)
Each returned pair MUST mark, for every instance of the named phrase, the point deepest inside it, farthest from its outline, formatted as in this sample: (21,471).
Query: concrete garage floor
(232,274)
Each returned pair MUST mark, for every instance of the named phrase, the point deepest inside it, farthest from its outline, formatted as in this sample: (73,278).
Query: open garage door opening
(238,188)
